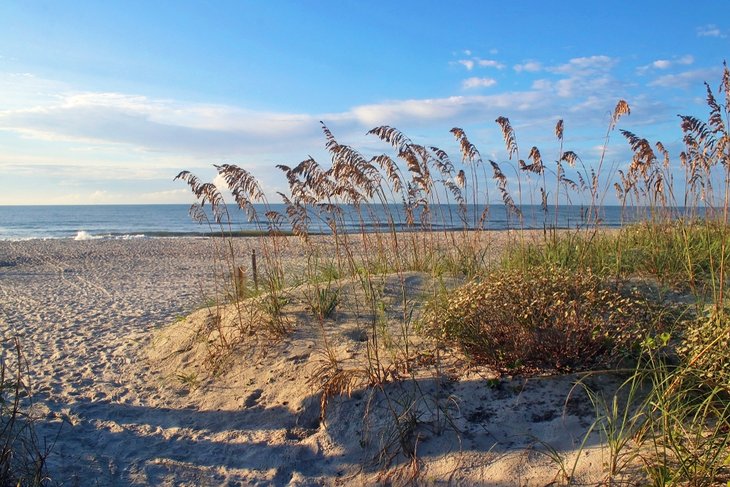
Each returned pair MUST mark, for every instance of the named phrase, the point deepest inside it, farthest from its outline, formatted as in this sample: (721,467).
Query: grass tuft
(22,458)
(560,299)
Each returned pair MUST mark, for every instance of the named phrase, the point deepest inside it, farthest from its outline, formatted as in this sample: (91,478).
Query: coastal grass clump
(556,298)
(677,254)
(684,255)
(22,457)
(683,417)
(542,318)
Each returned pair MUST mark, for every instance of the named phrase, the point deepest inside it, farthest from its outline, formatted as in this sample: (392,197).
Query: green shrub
(538,319)
(706,348)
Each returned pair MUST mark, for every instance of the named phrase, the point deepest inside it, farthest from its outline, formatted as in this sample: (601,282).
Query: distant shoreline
(171,221)
(262,233)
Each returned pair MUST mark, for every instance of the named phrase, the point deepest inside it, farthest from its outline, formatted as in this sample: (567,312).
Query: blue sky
(104,102)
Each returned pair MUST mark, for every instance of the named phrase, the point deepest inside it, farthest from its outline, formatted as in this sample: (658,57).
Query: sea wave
(84,235)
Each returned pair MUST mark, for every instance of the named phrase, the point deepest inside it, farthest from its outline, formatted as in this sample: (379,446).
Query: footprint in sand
(253,398)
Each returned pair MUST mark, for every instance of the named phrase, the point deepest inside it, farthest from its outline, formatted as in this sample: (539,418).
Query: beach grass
(22,455)
(648,299)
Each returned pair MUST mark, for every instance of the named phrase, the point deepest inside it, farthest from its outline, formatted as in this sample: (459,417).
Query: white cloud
(575,87)
(148,126)
(529,67)
(590,104)
(220,182)
(664,64)
(99,142)
(98,139)
(119,197)
(141,126)
(395,111)
(100,196)
(166,196)
(542,84)
(566,88)
(475,82)
(686,59)
(686,79)
(489,63)
(97,169)
(25,89)
(467,63)
(584,66)
(451,109)
(157,124)
(710,30)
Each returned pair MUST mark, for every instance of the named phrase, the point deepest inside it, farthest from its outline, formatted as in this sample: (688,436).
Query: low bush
(706,348)
(540,319)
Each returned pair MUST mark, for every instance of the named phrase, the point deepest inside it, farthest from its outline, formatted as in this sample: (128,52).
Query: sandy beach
(121,397)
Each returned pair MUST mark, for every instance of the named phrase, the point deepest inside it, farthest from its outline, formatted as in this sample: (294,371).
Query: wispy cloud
(585,66)
(542,84)
(475,82)
(489,63)
(166,196)
(147,126)
(104,196)
(710,30)
(686,79)
(529,67)
(163,126)
(576,87)
(686,59)
(22,89)
(96,169)
(96,140)
(157,124)
(474,61)
(455,109)
(579,79)
(664,64)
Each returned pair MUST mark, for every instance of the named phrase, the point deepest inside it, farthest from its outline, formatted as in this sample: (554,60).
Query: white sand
(134,407)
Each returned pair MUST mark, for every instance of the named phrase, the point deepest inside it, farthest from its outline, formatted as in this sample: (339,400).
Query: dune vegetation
(648,300)
(22,455)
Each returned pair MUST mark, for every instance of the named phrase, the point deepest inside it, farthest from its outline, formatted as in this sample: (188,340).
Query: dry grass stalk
(409,185)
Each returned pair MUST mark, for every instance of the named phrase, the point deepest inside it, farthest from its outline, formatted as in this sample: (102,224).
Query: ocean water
(149,221)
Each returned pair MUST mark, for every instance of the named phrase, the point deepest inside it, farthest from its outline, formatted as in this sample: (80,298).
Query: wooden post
(240,281)
(254,270)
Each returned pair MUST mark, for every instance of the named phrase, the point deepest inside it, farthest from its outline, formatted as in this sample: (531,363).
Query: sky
(105,102)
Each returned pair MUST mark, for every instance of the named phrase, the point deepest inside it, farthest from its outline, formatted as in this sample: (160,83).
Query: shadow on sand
(129,444)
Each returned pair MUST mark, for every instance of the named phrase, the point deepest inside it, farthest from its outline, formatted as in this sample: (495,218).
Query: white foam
(84,235)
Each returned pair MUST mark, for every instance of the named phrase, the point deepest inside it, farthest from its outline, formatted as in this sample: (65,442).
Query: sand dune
(119,386)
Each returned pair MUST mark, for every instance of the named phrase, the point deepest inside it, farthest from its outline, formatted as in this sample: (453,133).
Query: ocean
(150,221)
